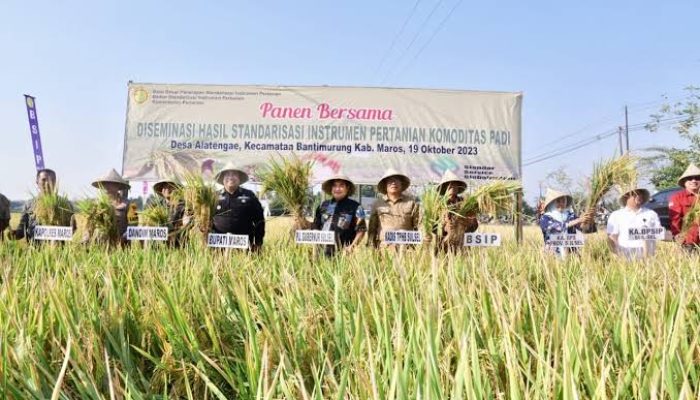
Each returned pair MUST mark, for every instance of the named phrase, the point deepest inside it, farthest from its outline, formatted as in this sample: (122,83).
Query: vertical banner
(34,131)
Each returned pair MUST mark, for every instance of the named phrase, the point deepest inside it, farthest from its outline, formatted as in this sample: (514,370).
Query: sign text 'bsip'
(482,239)
(226,240)
(314,237)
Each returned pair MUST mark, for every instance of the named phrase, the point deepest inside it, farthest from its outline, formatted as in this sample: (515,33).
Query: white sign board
(176,128)
(227,240)
(480,239)
(567,240)
(643,233)
(47,232)
(403,237)
(147,233)
(314,237)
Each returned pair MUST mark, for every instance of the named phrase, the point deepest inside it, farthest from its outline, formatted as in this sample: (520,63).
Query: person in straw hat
(4,215)
(341,214)
(680,205)
(558,218)
(394,210)
(633,214)
(166,190)
(238,210)
(455,226)
(117,189)
(46,183)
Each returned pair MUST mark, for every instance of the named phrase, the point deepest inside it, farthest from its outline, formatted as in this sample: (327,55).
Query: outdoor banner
(34,131)
(176,129)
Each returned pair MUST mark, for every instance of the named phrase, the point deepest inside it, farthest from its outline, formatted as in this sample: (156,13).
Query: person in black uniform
(238,210)
(341,214)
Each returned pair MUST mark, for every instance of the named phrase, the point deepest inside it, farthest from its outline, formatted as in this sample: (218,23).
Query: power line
(413,40)
(430,39)
(396,37)
(587,142)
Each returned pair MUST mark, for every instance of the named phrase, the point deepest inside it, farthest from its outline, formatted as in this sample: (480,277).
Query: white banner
(173,129)
(314,237)
(480,239)
(47,232)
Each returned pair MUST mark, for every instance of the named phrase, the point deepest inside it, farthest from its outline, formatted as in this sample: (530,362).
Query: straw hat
(327,185)
(450,177)
(111,177)
(692,170)
(642,192)
(552,195)
(405,181)
(158,186)
(242,176)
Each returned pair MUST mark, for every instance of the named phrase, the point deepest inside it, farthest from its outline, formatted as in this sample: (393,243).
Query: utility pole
(619,135)
(627,131)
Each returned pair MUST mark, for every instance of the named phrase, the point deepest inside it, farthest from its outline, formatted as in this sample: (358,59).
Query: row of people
(558,217)
(238,210)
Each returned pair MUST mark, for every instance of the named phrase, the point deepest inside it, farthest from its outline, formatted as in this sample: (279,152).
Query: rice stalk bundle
(100,219)
(289,179)
(619,171)
(434,208)
(200,203)
(491,198)
(154,215)
(53,209)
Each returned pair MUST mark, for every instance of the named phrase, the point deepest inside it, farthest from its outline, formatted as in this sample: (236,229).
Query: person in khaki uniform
(394,210)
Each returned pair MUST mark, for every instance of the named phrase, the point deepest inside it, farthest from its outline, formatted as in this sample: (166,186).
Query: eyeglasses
(693,178)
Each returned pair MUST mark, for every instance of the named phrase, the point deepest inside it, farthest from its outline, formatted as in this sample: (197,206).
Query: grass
(506,322)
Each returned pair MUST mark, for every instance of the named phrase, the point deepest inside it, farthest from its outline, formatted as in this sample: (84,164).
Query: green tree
(666,164)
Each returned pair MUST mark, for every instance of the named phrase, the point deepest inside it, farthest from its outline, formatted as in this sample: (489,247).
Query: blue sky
(577,64)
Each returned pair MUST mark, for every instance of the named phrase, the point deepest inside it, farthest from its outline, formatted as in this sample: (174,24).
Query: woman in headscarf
(341,214)
(559,218)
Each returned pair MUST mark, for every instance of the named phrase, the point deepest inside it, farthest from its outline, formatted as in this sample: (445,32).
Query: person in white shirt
(632,215)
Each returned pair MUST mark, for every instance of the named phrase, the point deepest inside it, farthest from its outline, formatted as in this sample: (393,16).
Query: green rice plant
(100,220)
(289,179)
(90,322)
(52,209)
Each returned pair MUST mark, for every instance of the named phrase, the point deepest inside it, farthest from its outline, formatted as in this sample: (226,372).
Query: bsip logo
(140,95)
(443,164)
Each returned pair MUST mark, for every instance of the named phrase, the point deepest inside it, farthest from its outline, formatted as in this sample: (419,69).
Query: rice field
(506,322)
